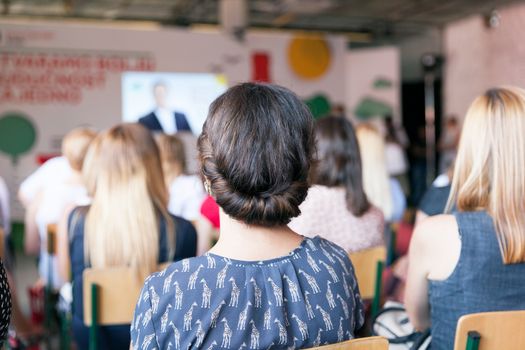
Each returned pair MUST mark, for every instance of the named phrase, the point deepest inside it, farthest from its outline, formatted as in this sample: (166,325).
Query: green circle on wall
(17,134)
(319,106)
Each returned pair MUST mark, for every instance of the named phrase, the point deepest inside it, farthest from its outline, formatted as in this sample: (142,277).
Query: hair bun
(255,151)
(273,207)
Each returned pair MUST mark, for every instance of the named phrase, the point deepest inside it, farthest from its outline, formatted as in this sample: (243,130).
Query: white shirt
(186,196)
(5,215)
(441,181)
(55,200)
(396,163)
(167,120)
(54,171)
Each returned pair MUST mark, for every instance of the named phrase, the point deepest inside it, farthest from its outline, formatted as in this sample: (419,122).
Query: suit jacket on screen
(151,122)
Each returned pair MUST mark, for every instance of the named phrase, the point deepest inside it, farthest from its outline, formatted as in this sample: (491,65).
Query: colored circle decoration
(17,134)
(309,56)
(319,106)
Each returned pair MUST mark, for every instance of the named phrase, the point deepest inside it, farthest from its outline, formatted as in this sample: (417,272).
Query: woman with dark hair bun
(337,207)
(262,285)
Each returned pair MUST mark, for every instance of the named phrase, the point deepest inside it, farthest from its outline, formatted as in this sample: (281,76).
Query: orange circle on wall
(309,57)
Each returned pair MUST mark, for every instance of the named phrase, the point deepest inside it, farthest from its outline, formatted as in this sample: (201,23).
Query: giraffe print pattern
(5,304)
(307,298)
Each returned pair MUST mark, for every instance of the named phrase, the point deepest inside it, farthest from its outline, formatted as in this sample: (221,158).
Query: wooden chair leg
(376,302)
(473,340)
(93,339)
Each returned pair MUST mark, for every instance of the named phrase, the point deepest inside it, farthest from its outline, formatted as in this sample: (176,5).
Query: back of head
(75,145)
(488,172)
(256,149)
(375,176)
(339,161)
(172,155)
(124,177)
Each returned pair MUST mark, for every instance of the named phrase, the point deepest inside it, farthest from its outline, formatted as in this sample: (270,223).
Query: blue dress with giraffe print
(307,298)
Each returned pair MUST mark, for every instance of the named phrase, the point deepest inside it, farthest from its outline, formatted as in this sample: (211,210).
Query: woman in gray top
(473,261)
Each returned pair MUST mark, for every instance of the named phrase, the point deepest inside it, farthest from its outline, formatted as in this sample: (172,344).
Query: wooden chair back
(368,265)
(111,295)
(491,330)
(370,343)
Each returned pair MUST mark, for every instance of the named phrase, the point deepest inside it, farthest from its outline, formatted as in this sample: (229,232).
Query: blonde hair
(488,173)
(172,156)
(75,145)
(375,176)
(124,177)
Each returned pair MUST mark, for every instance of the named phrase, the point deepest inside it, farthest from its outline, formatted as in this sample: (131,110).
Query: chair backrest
(117,291)
(366,269)
(371,343)
(496,330)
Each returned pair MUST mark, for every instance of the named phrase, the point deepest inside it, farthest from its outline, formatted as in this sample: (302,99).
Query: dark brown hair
(256,150)
(339,161)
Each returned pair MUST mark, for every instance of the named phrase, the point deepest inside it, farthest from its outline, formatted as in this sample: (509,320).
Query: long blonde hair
(124,177)
(488,173)
(375,176)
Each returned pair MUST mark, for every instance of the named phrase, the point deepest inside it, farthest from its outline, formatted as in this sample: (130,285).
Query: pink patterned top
(324,213)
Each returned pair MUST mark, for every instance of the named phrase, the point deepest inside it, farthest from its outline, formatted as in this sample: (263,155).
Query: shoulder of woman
(434,234)
(435,227)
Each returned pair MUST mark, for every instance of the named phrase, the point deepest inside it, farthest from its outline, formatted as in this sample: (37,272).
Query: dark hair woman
(262,285)
(337,207)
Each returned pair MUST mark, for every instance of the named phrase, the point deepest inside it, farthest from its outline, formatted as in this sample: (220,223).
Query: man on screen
(162,119)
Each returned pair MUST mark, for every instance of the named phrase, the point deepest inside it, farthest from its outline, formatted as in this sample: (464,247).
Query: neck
(241,241)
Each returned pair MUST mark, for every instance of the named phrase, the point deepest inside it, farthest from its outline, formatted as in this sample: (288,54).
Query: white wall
(478,57)
(364,66)
(170,50)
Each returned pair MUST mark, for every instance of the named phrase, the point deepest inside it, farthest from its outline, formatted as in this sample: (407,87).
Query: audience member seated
(383,191)
(21,326)
(262,285)
(54,171)
(5,212)
(473,260)
(50,204)
(448,143)
(127,223)
(337,208)
(396,143)
(435,198)
(186,192)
